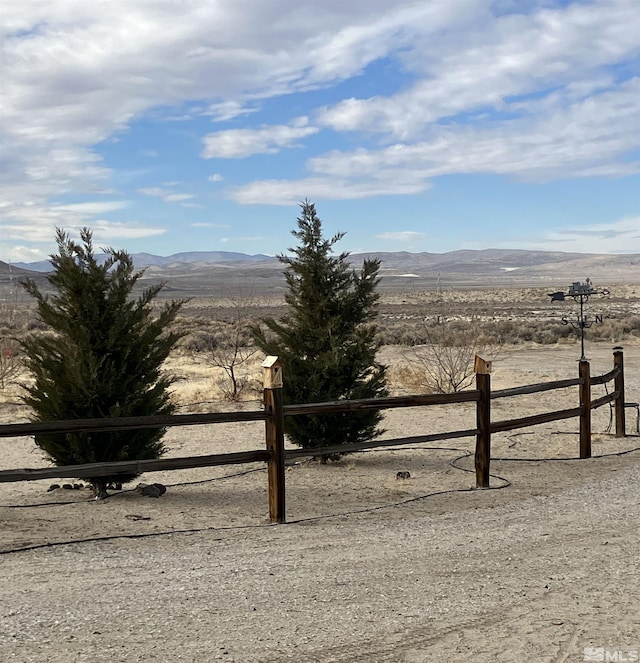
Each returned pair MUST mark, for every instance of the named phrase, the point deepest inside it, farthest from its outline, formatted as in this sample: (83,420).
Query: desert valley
(369,567)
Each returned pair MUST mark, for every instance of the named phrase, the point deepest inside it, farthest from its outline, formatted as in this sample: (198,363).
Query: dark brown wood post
(585,409)
(274,432)
(483,420)
(618,362)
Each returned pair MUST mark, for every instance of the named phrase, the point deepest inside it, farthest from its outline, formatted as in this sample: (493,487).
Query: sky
(433,125)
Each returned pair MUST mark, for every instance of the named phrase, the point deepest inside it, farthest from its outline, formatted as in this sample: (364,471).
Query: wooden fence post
(482,369)
(274,433)
(585,409)
(618,362)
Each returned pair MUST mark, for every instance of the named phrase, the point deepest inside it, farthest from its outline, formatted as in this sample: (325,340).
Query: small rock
(403,474)
(151,490)
(53,486)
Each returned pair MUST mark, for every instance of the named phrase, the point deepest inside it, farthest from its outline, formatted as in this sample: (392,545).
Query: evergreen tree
(327,340)
(101,357)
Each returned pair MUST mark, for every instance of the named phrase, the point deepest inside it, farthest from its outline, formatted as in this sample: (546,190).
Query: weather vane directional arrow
(580,292)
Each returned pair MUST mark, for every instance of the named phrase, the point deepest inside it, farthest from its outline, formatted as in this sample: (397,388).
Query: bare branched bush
(10,362)
(10,331)
(443,360)
(230,348)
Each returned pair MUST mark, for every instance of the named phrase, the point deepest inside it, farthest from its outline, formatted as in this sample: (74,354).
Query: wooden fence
(274,413)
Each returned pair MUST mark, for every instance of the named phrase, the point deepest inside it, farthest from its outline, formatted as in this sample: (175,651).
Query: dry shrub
(406,378)
(10,362)
(444,364)
(12,325)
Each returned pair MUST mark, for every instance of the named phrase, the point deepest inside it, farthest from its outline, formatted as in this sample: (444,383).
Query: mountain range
(472,267)
(147,259)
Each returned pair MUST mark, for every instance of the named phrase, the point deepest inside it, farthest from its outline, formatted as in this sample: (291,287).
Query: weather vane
(580,292)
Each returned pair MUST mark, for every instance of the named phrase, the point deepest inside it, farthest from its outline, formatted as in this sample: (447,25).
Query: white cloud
(91,208)
(586,138)
(216,177)
(209,225)
(228,110)
(401,236)
(177,197)
(291,192)
(621,236)
(152,191)
(103,230)
(38,223)
(500,59)
(254,238)
(241,143)
(26,254)
(106,231)
(167,196)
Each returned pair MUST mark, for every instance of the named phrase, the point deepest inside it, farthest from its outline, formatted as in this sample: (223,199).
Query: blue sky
(429,125)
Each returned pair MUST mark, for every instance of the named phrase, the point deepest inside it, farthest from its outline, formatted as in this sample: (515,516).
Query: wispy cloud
(228,110)
(103,230)
(620,236)
(402,236)
(255,238)
(291,192)
(242,143)
(110,230)
(91,208)
(165,194)
(152,191)
(176,197)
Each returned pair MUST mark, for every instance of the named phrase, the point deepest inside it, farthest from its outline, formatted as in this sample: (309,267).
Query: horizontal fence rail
(89,470)
(274,414)
(534,420)
(380,403)
(535,388)
(127,423)
(607,377)
(378,444)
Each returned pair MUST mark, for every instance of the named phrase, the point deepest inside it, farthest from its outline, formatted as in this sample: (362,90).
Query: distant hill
(465,261)
(147,259)
(7,271)
(504,265)
(144,259)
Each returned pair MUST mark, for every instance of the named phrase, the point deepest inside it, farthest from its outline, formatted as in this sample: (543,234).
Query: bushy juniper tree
(327,339)
(101,357)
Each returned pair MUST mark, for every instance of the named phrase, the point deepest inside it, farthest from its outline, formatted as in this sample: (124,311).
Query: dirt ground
(368,568)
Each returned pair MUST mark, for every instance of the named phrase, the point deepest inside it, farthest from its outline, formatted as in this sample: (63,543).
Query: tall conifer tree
(327,340)
(101,357)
